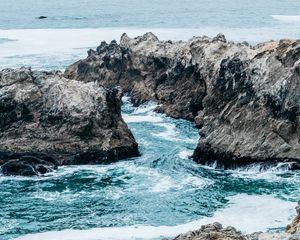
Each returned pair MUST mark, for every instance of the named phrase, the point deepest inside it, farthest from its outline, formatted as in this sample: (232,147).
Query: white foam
(169,133)
(163,185)
(71,44)
(287,18)
(145,108)
(246,212)
(259,171)
(185,154)
(138,118)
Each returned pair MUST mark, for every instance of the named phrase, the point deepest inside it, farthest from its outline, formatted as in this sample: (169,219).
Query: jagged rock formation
(149,70)
(245,99)
(251,112)
(52,121)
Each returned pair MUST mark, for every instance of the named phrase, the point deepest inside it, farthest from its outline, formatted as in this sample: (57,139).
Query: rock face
(251,111)
(55,121)
(244,99)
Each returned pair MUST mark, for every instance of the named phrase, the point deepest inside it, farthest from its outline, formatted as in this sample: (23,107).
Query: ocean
(163,192)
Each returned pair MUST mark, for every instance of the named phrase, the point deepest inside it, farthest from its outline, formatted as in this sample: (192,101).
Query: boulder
(43,113)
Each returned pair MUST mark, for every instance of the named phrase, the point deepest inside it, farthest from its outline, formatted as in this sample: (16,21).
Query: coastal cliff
(244,99)
(47,120)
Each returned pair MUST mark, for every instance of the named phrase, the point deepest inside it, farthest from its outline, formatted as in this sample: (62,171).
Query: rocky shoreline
(216,231)
(47,120)
(244,99)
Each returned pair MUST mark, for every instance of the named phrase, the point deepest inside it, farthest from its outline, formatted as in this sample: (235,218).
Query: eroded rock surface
(245,99)
(71,122)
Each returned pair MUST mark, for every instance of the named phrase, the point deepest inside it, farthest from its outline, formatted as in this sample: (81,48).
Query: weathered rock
(149,69)
(251,111)
(269,236)
(43,113)
(213,231)
(245,98)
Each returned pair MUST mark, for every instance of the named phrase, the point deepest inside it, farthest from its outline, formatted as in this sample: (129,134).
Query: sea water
(163,192)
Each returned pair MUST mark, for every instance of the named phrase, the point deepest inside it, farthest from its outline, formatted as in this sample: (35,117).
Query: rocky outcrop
(251,111)
(47,120)
(244,99)
(212,232)
(149,69)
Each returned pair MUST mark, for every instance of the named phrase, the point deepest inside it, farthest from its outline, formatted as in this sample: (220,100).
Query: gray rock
(149,69)
(43,113)
(213,231)
(245,98)
(28,166)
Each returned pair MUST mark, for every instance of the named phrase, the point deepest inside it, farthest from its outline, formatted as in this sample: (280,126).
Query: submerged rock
(28,166)
(43,113)
(245,99)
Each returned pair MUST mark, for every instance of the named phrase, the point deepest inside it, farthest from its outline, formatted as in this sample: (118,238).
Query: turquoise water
(162,191)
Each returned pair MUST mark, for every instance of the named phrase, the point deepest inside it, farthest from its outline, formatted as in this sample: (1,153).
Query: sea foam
(48,49)
(287,18)
(248,213)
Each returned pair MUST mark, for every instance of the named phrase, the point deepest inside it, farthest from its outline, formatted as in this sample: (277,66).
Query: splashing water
(160,194)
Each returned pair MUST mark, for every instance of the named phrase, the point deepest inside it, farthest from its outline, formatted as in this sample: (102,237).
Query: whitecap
(287,18)
(163,185)
(184,154)
(145,108)
(262,171)
(169,133)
